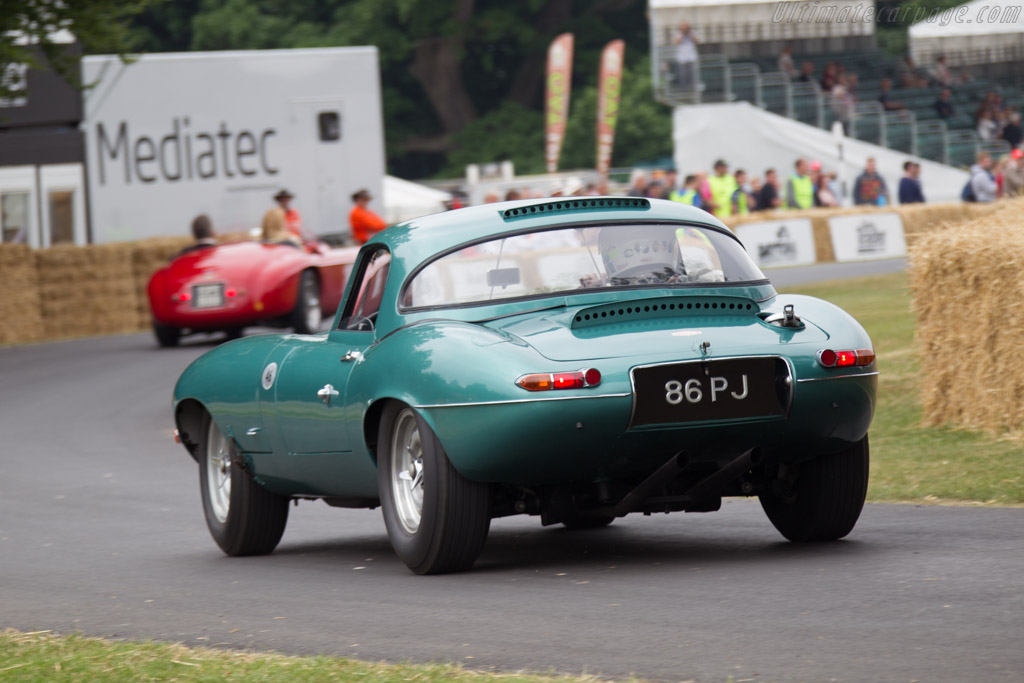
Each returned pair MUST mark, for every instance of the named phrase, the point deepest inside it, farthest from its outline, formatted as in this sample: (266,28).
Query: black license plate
(208,296)
(700,391)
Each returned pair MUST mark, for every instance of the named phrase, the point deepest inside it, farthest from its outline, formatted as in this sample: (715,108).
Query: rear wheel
(306,316)
(166,335)
(437,520)
(821,499)
(243,517)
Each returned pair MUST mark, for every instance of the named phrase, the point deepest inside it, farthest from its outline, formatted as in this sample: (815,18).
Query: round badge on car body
(269,374)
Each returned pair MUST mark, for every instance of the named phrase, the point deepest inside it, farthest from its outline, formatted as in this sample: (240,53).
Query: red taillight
(845,359)
(230,293)
(184,296)
(567,380)
(546,381)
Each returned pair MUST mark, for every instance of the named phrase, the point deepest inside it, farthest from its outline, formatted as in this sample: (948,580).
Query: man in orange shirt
(364,222)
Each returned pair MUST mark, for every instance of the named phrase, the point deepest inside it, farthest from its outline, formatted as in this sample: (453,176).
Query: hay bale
(967,294)
(148,256)
(20,315)
(87,290)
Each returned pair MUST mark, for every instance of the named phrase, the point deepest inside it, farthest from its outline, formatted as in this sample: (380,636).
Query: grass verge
(911,463)
(46,657)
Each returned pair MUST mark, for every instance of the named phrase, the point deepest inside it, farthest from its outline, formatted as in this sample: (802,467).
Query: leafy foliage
(28,28)
(462,80)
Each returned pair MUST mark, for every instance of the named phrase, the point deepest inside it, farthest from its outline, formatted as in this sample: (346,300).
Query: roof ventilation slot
(583,204)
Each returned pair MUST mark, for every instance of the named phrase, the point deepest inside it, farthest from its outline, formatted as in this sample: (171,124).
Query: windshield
(580,259)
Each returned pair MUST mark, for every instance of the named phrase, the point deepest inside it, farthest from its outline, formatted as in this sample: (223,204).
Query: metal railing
(719,80)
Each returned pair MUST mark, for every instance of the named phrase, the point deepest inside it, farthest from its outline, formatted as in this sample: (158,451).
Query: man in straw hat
(364,222)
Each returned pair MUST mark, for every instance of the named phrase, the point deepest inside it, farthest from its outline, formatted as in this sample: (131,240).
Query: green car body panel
(457,366)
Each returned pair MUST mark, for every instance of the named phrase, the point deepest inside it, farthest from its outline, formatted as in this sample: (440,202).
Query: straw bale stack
(969,298)
(20,317)
(86,290)
(148,256)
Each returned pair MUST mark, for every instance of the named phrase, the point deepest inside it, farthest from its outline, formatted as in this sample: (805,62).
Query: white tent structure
(404,199)
(753,139)
(977,32)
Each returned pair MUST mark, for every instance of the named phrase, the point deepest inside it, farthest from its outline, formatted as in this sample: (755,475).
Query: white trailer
(171,136)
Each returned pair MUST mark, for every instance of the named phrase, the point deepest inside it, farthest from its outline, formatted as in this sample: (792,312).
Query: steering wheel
(363,323)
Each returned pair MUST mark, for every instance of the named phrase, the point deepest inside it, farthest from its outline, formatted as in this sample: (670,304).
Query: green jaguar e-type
(577,359)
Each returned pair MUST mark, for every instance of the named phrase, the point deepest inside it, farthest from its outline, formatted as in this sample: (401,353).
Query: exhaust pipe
(663,475)
(712,484)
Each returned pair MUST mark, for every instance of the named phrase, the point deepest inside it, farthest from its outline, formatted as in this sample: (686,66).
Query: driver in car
(639,255)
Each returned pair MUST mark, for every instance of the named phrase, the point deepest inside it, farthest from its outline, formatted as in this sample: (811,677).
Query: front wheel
(820,499)
(306,315)
(437,520)
(243,517)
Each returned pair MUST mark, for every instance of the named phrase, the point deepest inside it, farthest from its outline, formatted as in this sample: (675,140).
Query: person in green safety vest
(743,197)
(800,188)
(690,194)
(722,187)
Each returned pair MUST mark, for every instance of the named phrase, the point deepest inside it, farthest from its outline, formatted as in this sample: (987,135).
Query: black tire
(233,333)
(454,512)
(824,498)
(306,316)
(166,335)
(253,520)
(581,522)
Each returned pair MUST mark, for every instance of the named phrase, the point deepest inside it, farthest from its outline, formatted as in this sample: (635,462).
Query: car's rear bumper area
(573,440)
(242,314)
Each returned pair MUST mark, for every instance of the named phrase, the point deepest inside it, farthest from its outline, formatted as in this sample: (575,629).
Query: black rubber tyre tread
(298,316)
(166,335)
(828,500)
(256,517)
(453,538)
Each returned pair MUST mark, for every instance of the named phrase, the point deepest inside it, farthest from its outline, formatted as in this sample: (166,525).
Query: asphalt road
(101,531)
(793,277)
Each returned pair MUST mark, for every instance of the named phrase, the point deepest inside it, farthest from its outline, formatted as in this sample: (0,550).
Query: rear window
(580,259)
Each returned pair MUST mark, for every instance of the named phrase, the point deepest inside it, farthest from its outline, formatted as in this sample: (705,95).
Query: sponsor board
(779,243)
(866,237)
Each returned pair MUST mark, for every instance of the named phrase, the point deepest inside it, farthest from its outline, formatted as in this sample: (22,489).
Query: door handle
(327,393)
(352,356)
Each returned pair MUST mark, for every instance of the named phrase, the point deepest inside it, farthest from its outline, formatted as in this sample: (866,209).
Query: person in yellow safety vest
(689,195)
(722,186)
(742,197)
(800,188)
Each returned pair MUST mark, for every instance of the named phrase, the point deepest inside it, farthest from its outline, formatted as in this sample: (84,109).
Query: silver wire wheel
(407,471)
(218,472)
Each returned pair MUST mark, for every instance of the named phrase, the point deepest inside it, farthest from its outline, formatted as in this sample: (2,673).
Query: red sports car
(230,286)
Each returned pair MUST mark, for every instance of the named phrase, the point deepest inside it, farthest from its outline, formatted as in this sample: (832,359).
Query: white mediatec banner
(779,243)
(867,237)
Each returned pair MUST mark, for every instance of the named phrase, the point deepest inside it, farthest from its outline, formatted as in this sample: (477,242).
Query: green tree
(28,29)
(448,67)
